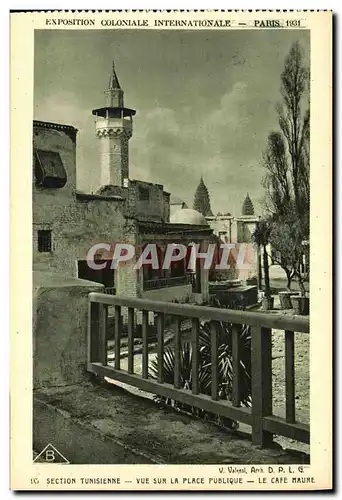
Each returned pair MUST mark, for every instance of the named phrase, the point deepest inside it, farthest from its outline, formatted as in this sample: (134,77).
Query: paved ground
(279,282)
(159,435)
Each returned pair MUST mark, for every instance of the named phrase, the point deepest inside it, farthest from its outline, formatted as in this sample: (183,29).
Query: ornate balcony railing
(166,282)
(260,415)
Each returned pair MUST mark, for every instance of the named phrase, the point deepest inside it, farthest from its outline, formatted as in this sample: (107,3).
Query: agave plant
(225,358)
(225,369)
(185,372)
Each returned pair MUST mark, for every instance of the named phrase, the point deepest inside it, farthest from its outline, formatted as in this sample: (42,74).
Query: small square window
(144,193)
(44,240)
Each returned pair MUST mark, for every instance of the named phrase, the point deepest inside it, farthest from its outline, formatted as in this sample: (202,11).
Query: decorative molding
(115,133)
(98,197)
(69,130)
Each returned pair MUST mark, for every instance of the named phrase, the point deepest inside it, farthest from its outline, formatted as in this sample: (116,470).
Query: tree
(247,206)
(277,201)
(294,123)
(202,200)
(287,164)
(287,237)
(261,237)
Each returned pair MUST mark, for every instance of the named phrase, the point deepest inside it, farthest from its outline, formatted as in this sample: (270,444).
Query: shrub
(225,370)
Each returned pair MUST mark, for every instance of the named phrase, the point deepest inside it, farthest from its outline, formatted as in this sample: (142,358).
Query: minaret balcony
(114,112)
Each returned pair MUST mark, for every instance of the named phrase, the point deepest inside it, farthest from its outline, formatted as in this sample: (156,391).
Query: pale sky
(205,102)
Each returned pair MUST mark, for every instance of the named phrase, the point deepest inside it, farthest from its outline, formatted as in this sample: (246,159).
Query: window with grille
(44,240)
(144,193)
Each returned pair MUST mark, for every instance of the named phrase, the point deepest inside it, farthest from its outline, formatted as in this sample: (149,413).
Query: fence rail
(259,416)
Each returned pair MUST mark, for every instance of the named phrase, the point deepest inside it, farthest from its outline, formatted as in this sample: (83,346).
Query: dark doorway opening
(104,276)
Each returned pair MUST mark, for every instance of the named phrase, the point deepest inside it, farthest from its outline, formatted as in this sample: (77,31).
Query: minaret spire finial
(113,80)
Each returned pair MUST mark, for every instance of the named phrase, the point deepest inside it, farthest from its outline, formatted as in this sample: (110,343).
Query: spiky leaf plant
(225,370)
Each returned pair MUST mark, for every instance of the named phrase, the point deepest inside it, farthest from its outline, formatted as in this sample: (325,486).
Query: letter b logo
(50,455)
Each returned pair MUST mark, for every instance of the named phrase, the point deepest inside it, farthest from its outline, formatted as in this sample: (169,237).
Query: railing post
(160,341)
(117,337)
(93,332)
(178,348)
(236,345)
(214,361)
(102,345)
(195,355)
(261,383)
(130,326)
(290,377)
(145,344)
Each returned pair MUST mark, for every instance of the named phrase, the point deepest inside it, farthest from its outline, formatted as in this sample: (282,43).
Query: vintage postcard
(171,187)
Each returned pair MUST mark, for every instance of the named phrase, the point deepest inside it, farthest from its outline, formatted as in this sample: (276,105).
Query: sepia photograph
(153,154)
(172,210)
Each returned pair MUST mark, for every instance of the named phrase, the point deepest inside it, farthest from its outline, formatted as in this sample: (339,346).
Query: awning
(49,169)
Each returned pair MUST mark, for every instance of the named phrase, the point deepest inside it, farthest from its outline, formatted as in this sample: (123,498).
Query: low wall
(60,318)
(236,296)
(180,293)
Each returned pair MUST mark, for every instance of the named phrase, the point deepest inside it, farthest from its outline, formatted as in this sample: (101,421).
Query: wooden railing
(259,415)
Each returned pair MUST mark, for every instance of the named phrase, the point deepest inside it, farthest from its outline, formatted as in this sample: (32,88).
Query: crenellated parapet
(114,133)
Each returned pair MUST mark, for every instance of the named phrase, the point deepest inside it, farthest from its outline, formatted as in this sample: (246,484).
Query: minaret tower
(114,129)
